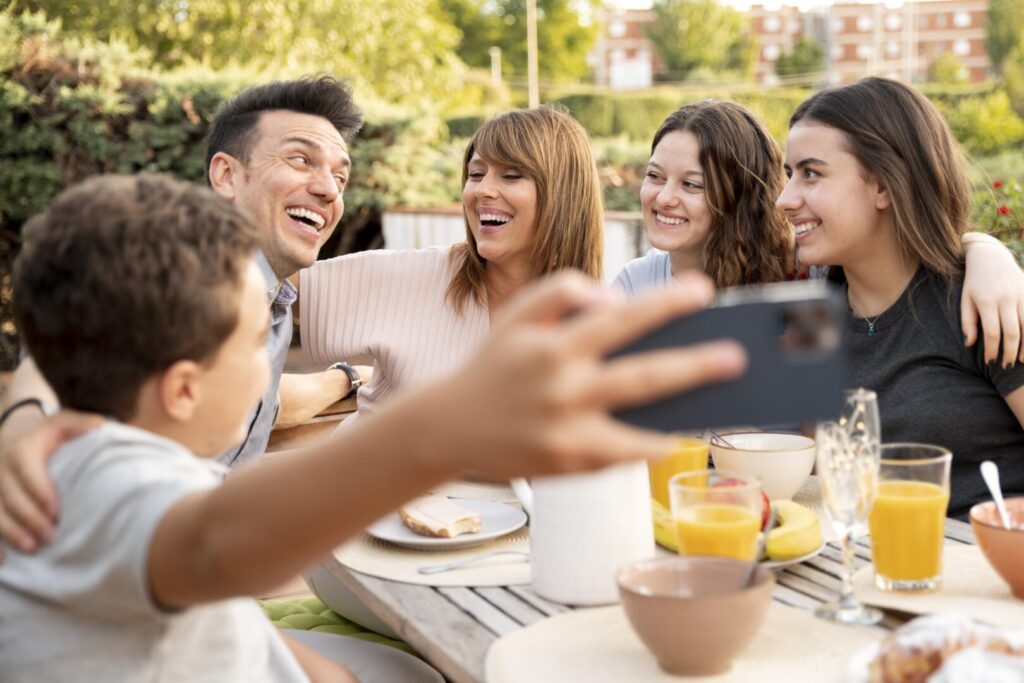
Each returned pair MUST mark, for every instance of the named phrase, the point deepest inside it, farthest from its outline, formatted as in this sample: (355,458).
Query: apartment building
(623,57)
(897,39)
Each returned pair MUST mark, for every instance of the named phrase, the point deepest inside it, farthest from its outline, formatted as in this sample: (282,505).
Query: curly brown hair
(123,276)
(749,240)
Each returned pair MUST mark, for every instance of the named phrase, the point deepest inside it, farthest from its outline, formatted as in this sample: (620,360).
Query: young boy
(139,299)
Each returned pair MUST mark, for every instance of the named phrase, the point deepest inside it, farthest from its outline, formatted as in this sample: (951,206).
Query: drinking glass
(908,520)
(716,513)
(848,462)
(690,453)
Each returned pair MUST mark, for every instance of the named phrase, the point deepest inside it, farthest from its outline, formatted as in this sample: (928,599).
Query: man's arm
(27,382)
(28,501)
(304,396)
(536,399)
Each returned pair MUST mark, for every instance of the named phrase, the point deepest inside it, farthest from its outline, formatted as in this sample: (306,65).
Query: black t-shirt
(933,389)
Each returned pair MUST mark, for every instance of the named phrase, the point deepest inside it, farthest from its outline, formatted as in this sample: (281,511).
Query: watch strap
(354,378)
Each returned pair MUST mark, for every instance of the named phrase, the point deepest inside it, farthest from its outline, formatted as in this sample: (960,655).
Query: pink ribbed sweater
(390,305)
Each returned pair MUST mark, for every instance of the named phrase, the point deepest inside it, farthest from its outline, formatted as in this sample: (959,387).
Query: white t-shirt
(80,609)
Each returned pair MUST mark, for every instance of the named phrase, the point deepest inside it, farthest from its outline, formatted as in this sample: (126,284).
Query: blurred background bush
(91,88)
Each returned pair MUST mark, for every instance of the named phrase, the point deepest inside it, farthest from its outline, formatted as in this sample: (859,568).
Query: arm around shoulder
(993,293)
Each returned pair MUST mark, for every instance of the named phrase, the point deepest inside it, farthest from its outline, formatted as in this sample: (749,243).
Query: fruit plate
(497,519)
(778,564)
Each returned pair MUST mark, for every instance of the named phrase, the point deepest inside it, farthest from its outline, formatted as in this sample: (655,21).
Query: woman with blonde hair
(878,193)
(531,200)
(532,205)
(708,201)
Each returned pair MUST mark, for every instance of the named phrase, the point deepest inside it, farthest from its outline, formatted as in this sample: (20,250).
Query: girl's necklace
(870,321)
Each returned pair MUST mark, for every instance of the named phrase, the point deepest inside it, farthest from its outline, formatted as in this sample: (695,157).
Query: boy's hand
(537,398)
(28,501)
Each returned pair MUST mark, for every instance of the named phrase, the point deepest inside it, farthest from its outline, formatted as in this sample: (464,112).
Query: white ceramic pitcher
(583,527)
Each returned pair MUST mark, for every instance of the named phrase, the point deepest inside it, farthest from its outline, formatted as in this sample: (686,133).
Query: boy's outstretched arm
(534,400)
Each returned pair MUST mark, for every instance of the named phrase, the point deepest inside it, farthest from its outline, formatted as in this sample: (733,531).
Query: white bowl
(781,461)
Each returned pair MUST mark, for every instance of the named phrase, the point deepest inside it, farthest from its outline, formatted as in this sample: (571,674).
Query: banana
(664,528)
(798,533)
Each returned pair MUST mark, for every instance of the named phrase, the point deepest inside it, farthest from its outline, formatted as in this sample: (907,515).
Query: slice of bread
(437,516)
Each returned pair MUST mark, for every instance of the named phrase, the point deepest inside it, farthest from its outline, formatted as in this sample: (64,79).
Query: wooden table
(312,430)
(454,627)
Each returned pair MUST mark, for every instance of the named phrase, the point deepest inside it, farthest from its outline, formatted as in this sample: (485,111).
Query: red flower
(1003,210)
(997,184)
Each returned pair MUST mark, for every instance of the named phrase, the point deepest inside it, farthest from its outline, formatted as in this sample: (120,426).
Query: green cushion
(309,614)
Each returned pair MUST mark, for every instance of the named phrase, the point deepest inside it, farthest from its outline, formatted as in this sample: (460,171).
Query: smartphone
(794,336)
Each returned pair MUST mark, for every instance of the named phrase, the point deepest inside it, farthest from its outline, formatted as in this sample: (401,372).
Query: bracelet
(21,404)
(354,378)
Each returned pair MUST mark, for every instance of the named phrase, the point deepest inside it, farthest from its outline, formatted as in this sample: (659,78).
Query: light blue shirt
(280,295)
(651,269)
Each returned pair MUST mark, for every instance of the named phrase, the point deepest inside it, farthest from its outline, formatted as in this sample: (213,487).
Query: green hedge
(980,115)
(636,115)
(70,109)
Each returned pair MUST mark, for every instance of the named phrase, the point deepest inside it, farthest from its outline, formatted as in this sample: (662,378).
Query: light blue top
(280,296)
(653,268)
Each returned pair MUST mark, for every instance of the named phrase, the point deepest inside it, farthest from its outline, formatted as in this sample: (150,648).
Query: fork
(438,568)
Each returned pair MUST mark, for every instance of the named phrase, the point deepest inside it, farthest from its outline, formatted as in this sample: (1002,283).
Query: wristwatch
(354,377)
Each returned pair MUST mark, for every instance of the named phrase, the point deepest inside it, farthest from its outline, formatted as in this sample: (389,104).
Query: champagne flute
(848,462)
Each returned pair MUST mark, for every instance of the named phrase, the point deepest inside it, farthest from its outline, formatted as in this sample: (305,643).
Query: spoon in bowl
(990,473)
(749,578)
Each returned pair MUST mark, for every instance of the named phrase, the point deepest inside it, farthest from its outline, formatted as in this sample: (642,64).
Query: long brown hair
(552,149)
(899,138)
(749,241)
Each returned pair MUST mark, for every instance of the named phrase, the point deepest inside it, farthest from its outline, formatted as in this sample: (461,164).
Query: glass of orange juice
(716,513)
(690,453)
(909,516)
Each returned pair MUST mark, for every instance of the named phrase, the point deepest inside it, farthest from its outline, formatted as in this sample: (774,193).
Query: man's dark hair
(234,127)
(123,276)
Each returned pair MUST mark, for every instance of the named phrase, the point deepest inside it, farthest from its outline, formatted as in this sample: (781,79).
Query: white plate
(857,670)
(496,519)
(776,564)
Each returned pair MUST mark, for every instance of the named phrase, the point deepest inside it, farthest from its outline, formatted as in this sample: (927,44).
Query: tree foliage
(947,69)
(702,35)
(1013,78)
(807,57)
(565,34)
(402,50)
(1004,30)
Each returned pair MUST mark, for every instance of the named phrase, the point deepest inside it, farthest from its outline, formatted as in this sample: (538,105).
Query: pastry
(437,516)
(919,648)
(975,665)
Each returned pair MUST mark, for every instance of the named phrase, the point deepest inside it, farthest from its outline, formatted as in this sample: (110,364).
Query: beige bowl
(1003,548)
(781,461)
(690,611)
